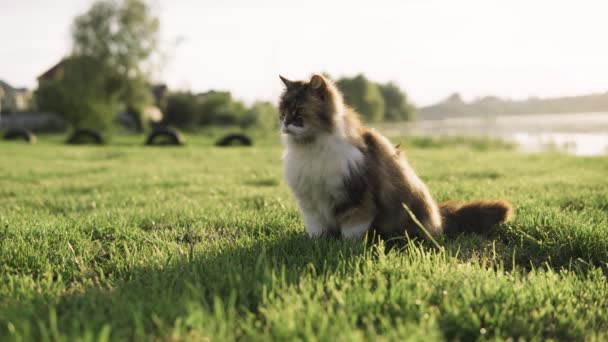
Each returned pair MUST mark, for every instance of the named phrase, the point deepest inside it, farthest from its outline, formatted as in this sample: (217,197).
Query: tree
(454,98)
(364,96)
(397,107)
(116,39)
(262,115)
(81,95)
(182,110)
(214,108)
(219,108)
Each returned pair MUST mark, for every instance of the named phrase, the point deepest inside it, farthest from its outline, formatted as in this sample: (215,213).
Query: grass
(203,243)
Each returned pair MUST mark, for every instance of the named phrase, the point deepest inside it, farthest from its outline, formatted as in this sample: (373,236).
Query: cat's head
(307,109)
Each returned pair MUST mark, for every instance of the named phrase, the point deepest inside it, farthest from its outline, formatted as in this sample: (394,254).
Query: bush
(261,115)
(364,96)
(181,110)
(396,106)
(220,109)
(189,111)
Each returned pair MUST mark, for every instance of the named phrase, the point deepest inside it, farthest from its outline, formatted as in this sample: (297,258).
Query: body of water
(577,133)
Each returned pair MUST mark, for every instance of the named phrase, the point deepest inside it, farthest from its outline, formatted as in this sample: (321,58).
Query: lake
(584,134)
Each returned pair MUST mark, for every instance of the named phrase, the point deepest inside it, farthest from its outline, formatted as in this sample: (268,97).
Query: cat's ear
(288,84)
(317,82)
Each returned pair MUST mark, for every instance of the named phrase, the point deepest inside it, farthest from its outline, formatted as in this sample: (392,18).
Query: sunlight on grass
(199,242)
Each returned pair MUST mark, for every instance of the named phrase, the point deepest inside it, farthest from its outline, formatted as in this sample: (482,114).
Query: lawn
(203,243)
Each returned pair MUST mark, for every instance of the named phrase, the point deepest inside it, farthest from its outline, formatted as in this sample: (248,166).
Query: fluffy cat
(347,178)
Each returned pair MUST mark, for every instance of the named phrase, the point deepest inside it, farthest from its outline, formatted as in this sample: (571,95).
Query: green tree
(116,39)
(219,108)
(182,110)
(364,96)
(396,106)
(122,35)
(80,96)
(215,108)
(262,115)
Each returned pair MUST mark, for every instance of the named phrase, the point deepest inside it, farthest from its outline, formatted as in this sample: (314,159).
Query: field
(203,243)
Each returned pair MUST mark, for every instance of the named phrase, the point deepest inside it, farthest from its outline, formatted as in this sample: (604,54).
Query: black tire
(86,136)
(235,139)
(20,133)
(164,136)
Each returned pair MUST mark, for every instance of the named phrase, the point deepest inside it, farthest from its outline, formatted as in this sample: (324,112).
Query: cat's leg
(313,224)
(355,230)
(356,221)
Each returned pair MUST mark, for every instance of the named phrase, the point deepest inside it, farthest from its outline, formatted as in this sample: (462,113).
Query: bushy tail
(474,217)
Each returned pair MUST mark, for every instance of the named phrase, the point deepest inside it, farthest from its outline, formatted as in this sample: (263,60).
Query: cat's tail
(474,217)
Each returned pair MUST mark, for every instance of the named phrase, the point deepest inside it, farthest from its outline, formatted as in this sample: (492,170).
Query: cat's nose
(284,129)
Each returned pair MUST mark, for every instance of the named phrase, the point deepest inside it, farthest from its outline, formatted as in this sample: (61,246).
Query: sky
(431,48)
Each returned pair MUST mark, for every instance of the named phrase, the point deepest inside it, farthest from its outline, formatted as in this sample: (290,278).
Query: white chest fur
(315,173)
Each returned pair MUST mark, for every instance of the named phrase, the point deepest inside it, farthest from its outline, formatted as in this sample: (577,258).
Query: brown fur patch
(395,183)
(476,217)
(356,189)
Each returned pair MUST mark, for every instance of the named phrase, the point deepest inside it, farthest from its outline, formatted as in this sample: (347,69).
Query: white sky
(510,48)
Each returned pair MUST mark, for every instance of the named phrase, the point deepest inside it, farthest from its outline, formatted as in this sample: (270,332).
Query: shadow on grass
(234,279)
(512,247)
(231,280)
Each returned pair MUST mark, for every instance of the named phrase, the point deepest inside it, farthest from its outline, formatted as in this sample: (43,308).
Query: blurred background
(531,72)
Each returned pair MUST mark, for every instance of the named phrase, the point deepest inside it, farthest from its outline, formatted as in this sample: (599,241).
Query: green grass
(197,242)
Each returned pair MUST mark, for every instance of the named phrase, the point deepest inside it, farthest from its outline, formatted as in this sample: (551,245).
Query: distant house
(56,71)
(16,106)
(12,99)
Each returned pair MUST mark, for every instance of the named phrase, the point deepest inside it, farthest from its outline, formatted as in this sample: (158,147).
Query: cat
(348,179)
